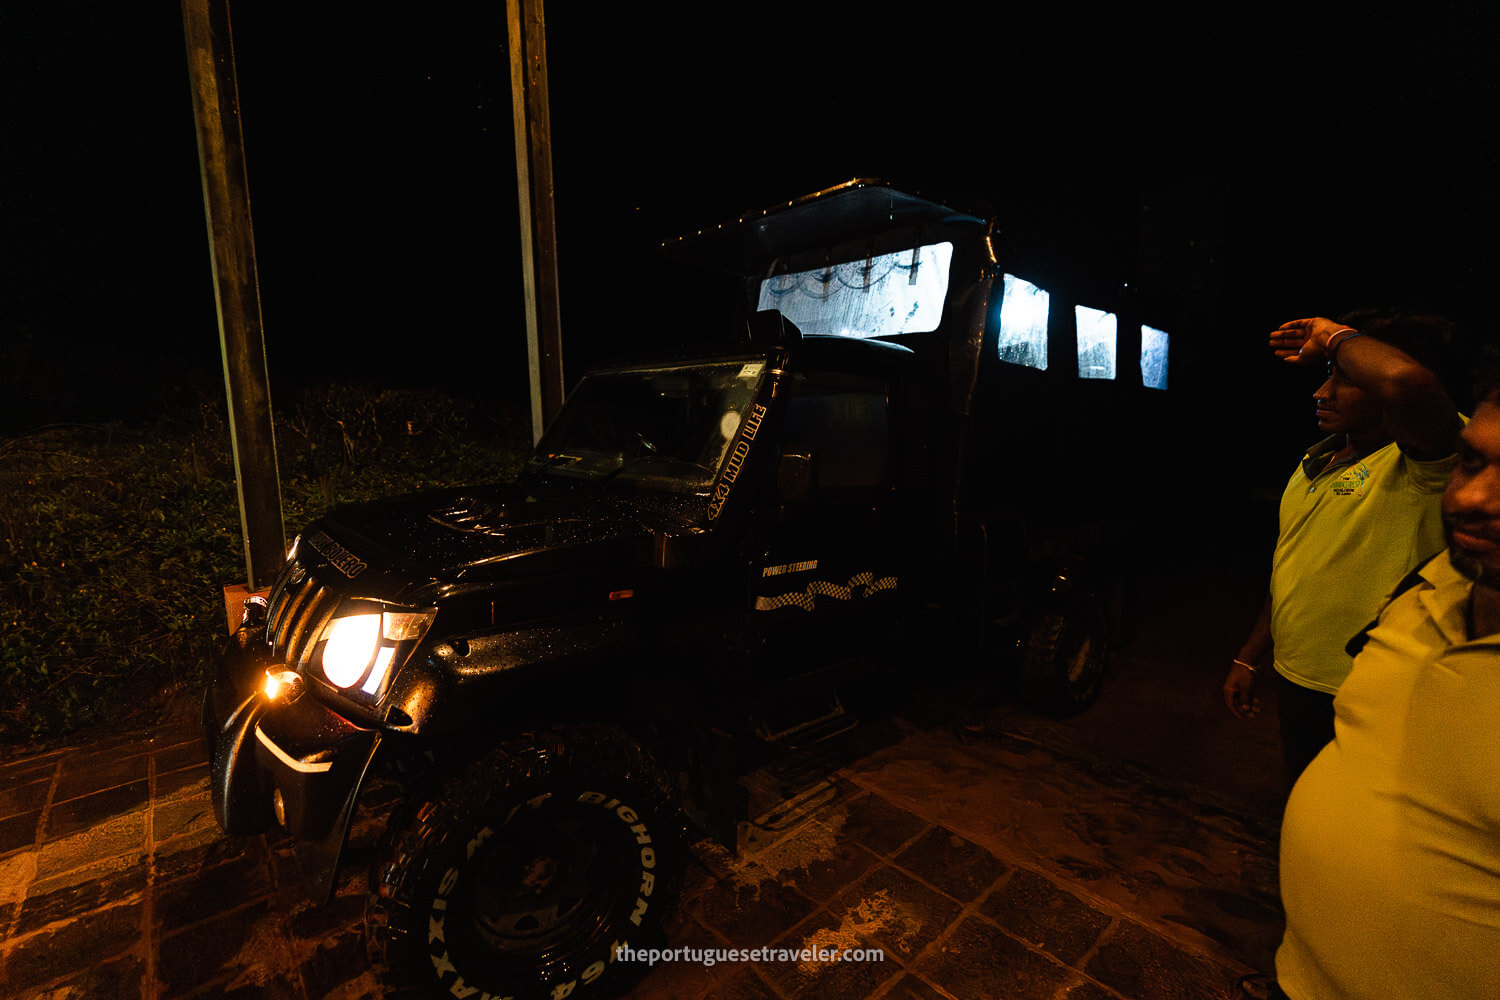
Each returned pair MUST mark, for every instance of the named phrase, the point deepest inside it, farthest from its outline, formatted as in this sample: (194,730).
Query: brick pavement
(983,863)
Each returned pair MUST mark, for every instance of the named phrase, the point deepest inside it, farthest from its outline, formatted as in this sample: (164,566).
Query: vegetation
(116,541)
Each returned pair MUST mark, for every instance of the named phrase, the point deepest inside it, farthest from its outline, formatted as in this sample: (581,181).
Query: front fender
(297,751)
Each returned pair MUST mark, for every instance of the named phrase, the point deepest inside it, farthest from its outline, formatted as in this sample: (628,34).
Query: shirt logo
(1352,482)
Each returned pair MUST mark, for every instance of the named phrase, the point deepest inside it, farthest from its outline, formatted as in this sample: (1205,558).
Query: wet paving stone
(69,817)
(676,979)
(118,979)
(745,984)
(709,865)
(1037,911)
(45,906)
(1145,966)
(122,836)
(98,771)
(212,950)
(32,769)
(912,987)
(275,986)
(241,880)
(1086,990)
(814,860)
(189,810)
(821,880)
(880,826)
(1248,924)
(959,868)
(74,947)
(186,859)
(897,912)
(1103,828)
(310,921)
(336,960)
(24,798)
(979,961)
(179,756)
(750,916)
(811,976)
(19,831)
(175,781)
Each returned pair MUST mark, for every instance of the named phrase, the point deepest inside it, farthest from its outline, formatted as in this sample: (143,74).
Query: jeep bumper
(288,760)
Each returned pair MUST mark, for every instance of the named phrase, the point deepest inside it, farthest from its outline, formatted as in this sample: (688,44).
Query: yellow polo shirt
(1390,846)
(1349,532)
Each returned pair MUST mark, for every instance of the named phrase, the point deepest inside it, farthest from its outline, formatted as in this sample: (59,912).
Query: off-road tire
(1064,660)
(524,872)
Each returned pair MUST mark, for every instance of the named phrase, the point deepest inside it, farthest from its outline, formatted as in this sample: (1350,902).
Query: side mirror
(796,477)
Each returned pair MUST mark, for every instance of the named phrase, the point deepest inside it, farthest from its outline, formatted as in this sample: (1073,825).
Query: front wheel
(1064,659)
(528,871)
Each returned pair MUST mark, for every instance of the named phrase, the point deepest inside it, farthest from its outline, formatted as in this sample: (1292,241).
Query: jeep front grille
(298,609)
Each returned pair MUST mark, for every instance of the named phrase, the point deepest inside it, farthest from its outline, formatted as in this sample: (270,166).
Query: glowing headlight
(364,646)
(351,645)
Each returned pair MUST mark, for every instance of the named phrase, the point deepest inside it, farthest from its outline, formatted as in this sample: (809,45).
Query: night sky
(1237,168)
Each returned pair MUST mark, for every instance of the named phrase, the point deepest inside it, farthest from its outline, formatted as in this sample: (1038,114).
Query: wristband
(1247,666)
(1337,340)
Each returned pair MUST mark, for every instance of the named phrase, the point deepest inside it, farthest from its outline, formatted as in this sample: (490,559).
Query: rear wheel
(528,870)
(1064,659)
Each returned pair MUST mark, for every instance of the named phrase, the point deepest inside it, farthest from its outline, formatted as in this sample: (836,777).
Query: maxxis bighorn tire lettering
(526,871)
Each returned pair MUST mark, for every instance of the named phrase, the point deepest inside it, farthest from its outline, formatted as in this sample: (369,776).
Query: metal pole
(526,24)
(226,206)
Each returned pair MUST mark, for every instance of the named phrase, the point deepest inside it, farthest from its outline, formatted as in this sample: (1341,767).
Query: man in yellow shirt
(1359,512)
(1390,846)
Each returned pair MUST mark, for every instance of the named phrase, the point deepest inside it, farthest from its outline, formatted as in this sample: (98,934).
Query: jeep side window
(1154,344)
(1097,342)
(1023,323)
(843,426)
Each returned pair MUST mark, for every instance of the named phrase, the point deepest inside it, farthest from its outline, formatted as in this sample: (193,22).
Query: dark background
(1236,167)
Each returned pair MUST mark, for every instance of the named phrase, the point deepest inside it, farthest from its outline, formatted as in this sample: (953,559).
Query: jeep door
(826,564)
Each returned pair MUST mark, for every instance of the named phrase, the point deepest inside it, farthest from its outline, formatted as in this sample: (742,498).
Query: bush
(116,541)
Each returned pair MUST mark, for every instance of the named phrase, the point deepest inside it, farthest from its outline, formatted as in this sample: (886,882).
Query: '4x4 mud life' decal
(737,457)
(860,585)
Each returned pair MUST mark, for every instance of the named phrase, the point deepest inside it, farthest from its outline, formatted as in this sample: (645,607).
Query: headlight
(364,646)
(351,646)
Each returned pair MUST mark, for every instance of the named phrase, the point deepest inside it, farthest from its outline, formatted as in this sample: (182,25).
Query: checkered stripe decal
(860,585)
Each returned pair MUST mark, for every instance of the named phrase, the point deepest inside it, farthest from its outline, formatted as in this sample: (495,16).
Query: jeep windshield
(660,427)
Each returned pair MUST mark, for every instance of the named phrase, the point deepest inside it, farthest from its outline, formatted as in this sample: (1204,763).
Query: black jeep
(700,553)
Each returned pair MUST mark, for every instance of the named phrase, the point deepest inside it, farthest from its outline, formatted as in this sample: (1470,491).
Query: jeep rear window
(872,297)
(661,427)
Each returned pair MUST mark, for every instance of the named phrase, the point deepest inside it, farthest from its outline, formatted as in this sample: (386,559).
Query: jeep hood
(475,532)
